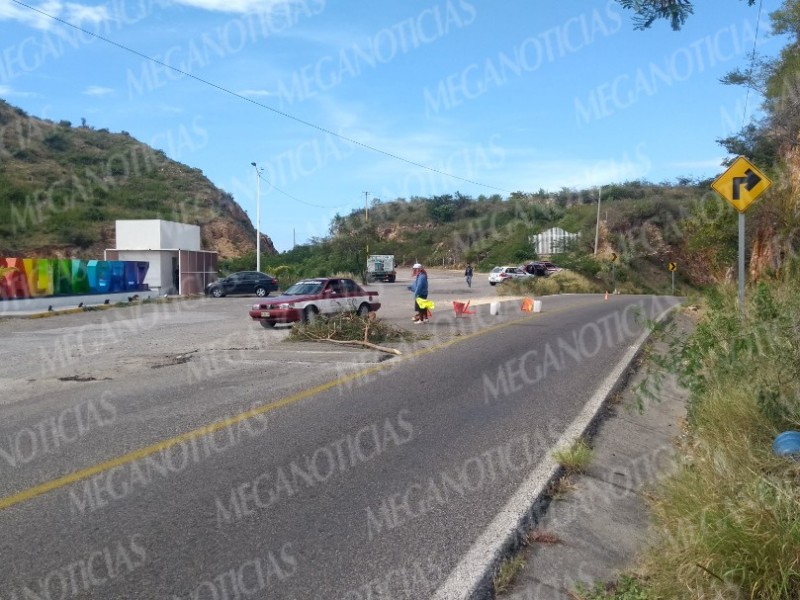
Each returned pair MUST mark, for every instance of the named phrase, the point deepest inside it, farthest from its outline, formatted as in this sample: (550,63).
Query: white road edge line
(466,578)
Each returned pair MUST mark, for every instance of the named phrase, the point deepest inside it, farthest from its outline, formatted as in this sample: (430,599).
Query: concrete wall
(179,235)
(156,234)
(31,306)
(139,234)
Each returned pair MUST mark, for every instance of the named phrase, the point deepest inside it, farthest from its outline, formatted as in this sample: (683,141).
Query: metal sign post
(614,271)
(740,185)
(672,268)
(741,263)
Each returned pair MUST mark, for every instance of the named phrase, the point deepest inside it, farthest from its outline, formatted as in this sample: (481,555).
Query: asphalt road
(131,470)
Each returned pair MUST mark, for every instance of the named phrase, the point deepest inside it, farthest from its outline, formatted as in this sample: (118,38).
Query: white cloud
(13,12)
(7,92)
(79,13)
(256,93)
(39,17)
(96,90)
(711,163)
(233,6)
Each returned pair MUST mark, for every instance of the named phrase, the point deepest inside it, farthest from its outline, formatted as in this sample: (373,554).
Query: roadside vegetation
(507,572)
(646,225)
(626,588)
(575,459)
(728,520)
(349,327)
(563,282)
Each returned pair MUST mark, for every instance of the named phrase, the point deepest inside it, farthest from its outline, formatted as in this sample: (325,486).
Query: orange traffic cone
(606,298)
(527,305)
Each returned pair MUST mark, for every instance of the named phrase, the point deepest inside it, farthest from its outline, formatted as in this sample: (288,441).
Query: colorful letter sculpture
(41,277)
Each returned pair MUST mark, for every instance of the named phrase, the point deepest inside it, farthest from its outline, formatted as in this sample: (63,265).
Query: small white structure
(553,241)
(178,265)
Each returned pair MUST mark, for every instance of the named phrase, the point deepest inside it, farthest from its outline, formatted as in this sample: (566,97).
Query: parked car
(536,269)
(308,298)
(501,274)
(551,268)
(243,282)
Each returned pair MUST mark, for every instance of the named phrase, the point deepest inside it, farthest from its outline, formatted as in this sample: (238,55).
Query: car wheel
(492,283)
(267,324)
(363,310)
(310,314)
(217,292)
(261,291)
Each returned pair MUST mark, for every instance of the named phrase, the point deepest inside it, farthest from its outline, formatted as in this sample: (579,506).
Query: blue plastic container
(787,444)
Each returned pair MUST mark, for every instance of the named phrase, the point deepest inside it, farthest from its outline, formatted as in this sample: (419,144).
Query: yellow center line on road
(74,477)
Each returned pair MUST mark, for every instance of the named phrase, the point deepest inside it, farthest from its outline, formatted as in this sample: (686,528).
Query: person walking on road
(420,289)
(468,275)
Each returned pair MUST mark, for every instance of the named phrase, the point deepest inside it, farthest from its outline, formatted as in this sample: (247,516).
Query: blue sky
(335,99)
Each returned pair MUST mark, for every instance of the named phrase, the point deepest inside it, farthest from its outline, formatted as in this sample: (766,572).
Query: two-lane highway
(306,479)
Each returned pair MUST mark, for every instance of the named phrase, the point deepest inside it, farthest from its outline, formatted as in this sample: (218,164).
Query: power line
(298,199)
(259,104)
(752,62)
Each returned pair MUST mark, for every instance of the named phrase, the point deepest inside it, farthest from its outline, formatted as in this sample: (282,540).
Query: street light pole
(258,216)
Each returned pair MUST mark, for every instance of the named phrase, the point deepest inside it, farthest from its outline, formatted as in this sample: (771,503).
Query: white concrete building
(178,265)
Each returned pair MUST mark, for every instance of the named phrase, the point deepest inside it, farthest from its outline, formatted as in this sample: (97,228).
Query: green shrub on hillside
(563,282)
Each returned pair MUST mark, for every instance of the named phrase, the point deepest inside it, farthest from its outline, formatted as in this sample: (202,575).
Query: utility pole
(366,221)
(597,228)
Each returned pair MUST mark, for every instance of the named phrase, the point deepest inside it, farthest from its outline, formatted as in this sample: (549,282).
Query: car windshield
(304,288)
(496,270)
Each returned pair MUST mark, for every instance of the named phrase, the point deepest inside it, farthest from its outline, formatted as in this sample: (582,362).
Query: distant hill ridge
(62,188)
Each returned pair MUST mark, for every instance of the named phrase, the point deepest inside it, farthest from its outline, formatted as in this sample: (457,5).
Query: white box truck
(380,267)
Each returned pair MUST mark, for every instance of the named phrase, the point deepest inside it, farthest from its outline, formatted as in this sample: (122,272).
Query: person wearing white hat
(420,289)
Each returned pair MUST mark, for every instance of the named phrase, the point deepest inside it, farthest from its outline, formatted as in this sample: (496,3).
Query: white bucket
(537,306)
(494,308)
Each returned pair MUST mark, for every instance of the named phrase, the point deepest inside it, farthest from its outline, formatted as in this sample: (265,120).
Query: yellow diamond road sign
(741,184)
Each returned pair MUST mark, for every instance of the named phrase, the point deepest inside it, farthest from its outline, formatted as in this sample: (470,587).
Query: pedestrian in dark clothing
(468,275)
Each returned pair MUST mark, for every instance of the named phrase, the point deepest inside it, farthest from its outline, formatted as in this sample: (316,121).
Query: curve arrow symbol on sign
(750,181)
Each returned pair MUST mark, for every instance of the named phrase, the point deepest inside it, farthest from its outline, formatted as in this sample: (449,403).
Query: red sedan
(311,297)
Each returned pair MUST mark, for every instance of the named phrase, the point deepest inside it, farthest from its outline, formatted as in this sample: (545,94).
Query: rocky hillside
(62,188)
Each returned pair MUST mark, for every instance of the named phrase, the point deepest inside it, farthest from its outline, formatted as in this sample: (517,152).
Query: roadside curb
(471,579)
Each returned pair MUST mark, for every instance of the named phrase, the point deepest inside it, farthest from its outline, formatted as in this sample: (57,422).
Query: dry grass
(537,536)
(507,572)
(563,282)
(574,459)
(560,488)
(350,327)
(729,517)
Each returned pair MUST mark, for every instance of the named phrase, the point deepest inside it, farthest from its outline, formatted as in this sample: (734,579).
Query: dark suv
(243,282)
(535,268)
